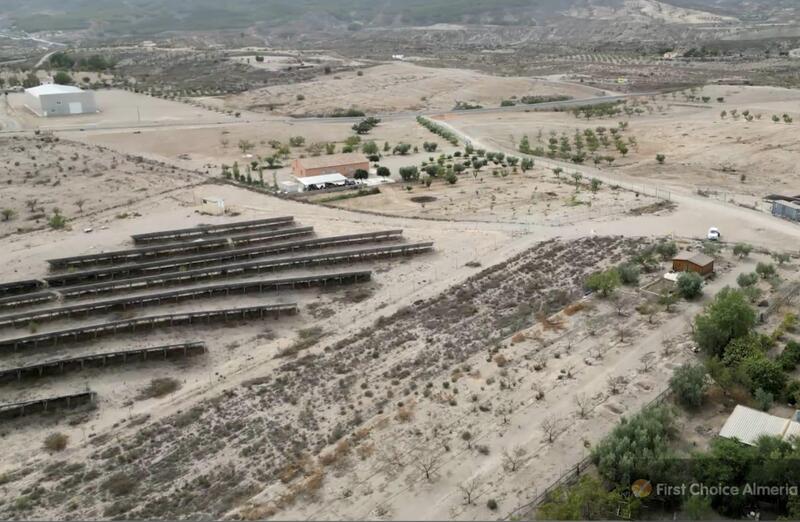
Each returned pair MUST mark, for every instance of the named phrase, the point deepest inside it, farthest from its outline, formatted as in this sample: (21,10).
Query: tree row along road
(694,215)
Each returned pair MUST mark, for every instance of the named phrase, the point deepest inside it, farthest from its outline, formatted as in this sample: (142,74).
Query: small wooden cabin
(693,262)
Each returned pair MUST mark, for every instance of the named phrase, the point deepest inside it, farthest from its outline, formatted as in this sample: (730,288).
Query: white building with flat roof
(59,100)
(324,181)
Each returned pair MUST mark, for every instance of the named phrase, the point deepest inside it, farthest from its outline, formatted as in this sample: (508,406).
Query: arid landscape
(523,269)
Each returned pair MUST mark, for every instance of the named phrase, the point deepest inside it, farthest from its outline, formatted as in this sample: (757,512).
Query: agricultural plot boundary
(144,323)
(266,285)
(102,359)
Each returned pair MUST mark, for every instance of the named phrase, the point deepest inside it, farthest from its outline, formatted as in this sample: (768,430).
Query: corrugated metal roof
(696,258)
(747,425)
(333,160)
(52,89)
(787,204)
(319,180)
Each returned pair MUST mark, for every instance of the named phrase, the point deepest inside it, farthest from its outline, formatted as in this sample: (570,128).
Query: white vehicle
(714,234)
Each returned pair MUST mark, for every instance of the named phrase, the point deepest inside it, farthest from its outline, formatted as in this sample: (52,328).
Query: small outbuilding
(325,181)
(747,425)
(786,210)
(693,262)
(59,100)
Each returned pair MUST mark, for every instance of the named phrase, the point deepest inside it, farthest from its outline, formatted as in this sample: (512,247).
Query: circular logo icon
(642,488)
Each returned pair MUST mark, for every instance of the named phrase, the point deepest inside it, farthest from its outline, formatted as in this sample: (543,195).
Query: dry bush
(361,434)
(56,442)
(616,384)
(574,308)
(327,459)
(306,338)
(258,512)
(159,387)
(500,360)
(405,413)
(365,451)
(119,484)
(342,449)
(518,338)
(312,484)
(551,427)
(295,468)
(553,324)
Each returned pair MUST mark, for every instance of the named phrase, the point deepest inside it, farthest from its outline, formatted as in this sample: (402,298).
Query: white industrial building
(59,100)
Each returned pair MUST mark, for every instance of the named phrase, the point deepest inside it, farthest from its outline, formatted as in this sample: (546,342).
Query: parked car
(714,234)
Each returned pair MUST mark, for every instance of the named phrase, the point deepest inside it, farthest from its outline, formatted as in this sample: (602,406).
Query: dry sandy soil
(119,108)
(45,173)
(400,87)
(702,149)
(201,146)
(196,446)
(533,197)
(436,346)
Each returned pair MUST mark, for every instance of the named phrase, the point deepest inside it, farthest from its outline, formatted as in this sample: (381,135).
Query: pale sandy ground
(399,87)
(118,108)
(697,142)
(533,197)
(203,147)
(402,283)
(402,493)
(43,175)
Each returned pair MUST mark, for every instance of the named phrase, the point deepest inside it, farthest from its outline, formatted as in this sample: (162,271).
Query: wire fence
(570,477)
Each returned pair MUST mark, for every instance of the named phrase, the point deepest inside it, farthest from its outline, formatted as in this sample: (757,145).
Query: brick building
(344,164)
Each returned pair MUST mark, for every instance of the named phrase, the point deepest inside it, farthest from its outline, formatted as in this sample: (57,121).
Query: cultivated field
(702,149)
(500,195)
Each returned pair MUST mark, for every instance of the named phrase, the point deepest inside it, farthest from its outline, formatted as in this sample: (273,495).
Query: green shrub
(728,317)
(690,285)
(57,221)
(604,282)
(637,448)
(667,250)
(688,382)
(751,345)
(765,374)
(747,280)
(790,357)
(742,250)
(764,399)
(628,274)
(766,270)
